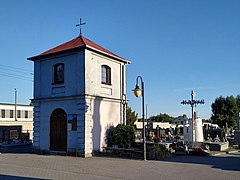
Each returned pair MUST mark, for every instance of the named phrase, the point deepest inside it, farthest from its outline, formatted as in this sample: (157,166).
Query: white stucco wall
(73,76)
(106,114)
(106,105)
(46,109)
(93,76)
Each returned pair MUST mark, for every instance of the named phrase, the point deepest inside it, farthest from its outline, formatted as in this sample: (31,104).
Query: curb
(230,152)
(224,152)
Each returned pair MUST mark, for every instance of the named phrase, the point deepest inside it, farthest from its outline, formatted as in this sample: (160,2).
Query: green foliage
(206,120)
(161,151)
(131,116)
(225,111)
(122,135)
(161,118)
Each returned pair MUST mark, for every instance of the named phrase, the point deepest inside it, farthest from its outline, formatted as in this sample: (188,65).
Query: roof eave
(33,58)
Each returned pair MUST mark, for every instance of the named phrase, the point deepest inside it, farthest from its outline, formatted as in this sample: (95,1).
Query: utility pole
(15,97)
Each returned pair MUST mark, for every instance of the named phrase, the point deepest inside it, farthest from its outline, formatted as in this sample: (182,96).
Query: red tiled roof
(78,42)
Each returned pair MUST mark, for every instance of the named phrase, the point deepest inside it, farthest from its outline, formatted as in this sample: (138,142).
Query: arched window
(106,74)
(58,73)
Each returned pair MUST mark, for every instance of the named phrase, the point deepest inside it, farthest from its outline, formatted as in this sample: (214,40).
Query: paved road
(32,166)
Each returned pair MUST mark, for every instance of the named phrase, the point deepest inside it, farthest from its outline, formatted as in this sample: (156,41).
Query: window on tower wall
(106,75)
(58,73)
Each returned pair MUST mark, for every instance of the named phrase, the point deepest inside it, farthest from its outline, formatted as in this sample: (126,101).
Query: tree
(122,135)
(225,111)
(161,118)
(131,116)
(238,101)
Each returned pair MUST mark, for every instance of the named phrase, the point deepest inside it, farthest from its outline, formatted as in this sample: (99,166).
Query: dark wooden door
(58,130)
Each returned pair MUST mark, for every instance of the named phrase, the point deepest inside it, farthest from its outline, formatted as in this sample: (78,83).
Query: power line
(15,69)
(16,72)
(16,76)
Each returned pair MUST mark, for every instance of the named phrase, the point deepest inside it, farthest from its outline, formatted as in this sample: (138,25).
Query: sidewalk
(32,166)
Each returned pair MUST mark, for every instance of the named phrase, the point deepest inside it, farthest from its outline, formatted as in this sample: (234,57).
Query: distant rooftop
(14,104)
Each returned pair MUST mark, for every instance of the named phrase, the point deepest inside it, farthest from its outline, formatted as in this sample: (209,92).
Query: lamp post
(137,92)
(124,107)
(193,102)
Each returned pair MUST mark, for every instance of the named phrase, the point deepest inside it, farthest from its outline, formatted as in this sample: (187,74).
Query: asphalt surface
(32,166)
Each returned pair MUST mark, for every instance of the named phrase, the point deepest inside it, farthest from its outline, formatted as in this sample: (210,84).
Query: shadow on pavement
(16,148)
(230,162)
(9,177)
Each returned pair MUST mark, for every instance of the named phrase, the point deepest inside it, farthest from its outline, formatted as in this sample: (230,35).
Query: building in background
(15,122)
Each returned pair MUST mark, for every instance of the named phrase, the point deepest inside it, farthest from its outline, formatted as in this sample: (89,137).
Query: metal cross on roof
(80,25)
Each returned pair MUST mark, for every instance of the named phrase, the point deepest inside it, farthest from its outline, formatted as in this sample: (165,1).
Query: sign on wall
(14,134)
(72,122)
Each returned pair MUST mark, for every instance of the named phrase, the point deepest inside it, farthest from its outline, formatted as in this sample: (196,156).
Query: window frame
(26,114)
(3,113)
(18,113)
(106,76)
(55,73)
(11,115)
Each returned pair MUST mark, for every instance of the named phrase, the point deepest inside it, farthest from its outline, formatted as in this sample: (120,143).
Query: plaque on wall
(72,122)
(69,126)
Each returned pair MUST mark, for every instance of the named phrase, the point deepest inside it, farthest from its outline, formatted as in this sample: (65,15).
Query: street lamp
(137,92)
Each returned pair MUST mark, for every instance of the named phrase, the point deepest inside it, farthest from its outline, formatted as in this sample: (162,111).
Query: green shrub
(161,151)
(122,135)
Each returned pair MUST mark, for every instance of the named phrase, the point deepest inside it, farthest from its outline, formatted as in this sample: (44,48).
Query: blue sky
(175,45)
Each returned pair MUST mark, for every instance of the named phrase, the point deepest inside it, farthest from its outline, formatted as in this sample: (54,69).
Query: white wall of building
(106,100)
(93,76)
(162,125)
(49,96)
(106,114)
(46,109)
(73,76)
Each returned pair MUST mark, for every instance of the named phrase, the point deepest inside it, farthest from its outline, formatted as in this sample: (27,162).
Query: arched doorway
(58,130)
